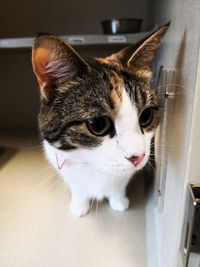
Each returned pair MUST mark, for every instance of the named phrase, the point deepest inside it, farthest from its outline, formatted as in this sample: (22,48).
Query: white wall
(180,52)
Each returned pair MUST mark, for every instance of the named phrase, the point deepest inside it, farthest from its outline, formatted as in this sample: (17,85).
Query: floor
(37,229)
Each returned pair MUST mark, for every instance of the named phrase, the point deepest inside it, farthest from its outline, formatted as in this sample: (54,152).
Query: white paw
(78,208)
(119,204)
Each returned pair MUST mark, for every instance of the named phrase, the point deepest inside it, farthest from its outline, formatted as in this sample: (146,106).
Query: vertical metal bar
(166,87)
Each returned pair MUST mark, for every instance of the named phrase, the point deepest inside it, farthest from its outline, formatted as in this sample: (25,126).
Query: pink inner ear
(40,59)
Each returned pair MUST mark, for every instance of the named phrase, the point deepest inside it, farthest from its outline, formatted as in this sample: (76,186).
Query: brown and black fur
(74,91)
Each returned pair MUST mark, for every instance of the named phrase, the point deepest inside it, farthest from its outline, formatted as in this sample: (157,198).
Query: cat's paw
(119,204)
(78,208)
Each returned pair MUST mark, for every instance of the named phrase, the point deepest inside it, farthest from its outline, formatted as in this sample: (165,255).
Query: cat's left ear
(139,57)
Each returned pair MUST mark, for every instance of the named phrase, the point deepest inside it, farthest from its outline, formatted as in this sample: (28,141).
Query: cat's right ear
(55,63)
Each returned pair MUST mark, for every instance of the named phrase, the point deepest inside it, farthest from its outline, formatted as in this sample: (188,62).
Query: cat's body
(97,120)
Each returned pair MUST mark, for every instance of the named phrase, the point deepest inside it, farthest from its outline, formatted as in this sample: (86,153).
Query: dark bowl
(118,26)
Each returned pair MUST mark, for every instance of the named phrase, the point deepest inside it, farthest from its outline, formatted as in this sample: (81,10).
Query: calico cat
(96,118)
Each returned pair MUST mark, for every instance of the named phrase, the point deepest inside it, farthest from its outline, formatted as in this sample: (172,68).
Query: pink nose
(136,159)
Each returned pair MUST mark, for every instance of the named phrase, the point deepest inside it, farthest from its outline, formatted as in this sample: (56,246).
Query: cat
(97,118)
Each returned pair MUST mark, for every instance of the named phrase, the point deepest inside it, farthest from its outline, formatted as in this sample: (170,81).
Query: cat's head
(103,112)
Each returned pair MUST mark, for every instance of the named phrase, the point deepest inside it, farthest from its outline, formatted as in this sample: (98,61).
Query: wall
(19,99)
(179,51)
(25,18)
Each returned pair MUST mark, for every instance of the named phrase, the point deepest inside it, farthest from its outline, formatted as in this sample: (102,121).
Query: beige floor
(36,228)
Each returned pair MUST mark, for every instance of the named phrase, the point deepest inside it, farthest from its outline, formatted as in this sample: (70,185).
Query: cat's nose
(136,159)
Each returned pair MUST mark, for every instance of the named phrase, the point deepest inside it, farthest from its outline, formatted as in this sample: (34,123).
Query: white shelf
(78,40)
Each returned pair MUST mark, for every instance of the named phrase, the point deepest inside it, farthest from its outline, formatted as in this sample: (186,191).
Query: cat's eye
(100,126)
(146,117)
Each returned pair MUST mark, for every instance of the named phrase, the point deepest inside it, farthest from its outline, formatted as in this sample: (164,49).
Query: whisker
(91,204)
(170,84)
(148,171)
(163,145)
(152,154)
(63,197)
(55,183)
(40,148)
(48,179)
(39,173)
(97,205)
(148,163)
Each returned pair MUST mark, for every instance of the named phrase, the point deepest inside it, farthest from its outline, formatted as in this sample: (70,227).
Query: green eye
(146,117)
(100,126)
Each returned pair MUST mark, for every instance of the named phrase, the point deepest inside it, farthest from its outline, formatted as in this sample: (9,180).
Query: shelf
(78,40)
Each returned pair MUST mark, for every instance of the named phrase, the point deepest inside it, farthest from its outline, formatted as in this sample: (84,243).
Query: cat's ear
(139,57)
(54,63)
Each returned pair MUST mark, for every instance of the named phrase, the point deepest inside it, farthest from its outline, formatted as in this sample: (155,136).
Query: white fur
(104,171)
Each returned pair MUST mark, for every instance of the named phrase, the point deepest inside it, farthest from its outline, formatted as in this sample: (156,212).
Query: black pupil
(99,126)
(146,117)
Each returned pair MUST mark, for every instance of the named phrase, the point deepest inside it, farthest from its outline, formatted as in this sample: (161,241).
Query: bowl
(118,26)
